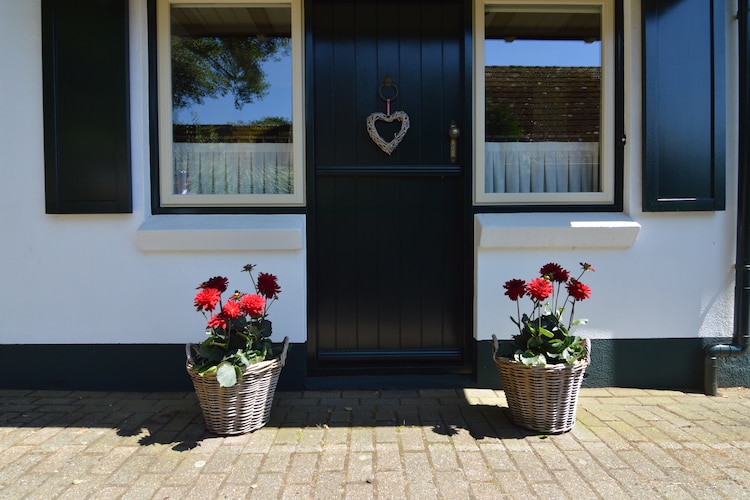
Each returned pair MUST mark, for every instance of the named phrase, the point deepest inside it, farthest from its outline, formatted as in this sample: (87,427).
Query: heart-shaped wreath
(388,147)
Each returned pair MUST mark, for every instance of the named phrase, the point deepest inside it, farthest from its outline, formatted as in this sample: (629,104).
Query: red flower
(555,272)
(231,309)
(252,305)
(220,283)
(515,289)
(267,285)
(217,321)
(578,290)
(539,288)
(207,299)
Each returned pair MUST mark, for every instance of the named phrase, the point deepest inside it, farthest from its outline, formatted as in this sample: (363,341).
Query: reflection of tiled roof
(545,103)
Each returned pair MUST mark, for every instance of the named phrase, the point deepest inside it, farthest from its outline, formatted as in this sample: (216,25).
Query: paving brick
(453,485)
(245,469)
(605,456)
(411,438)
(302,468)
(390,484)
(443,457)
(387,457)
(334,457)
(549,455)
(360,491)
(527,462)
(360,467)
(361,439)
(614,439)
(145,487)
(417,466)
(267,485)
(474,467)
(451,443)
(421,490)
(507,484)
(329,485)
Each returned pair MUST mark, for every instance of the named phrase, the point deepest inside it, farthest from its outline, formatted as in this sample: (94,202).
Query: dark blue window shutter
(683,105)
(86,106)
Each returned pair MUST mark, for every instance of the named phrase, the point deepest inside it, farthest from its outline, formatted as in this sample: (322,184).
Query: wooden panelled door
(390,234)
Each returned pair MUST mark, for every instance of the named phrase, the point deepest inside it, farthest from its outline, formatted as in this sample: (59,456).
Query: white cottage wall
(70,279)
(88,279)
(675,280)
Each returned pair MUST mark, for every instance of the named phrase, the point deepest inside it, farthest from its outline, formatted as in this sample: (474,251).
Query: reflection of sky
(542,53)
(277,102)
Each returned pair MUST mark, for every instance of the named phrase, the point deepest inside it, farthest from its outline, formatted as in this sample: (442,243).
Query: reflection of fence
(541,167)
(239,168)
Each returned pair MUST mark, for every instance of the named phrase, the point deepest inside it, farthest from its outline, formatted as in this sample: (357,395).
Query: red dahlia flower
(515,289)
(217,321)
(539,289)
(577,290)
(231,309)
(252,305)
(206,299)
(267,285)
(218,282)
(555,272)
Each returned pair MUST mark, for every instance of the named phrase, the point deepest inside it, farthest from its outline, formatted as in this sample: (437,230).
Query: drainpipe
(742,266)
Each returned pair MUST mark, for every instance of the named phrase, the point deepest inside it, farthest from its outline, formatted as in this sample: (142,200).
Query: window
(545,93)
(229,103)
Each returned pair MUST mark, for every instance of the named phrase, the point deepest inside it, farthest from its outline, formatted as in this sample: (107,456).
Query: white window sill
(221,232)
(555,230)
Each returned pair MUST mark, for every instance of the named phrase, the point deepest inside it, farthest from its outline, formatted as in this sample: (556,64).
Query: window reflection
(231,100)
(542,99)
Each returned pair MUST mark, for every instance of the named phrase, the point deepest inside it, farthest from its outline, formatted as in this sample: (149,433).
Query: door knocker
(388,146)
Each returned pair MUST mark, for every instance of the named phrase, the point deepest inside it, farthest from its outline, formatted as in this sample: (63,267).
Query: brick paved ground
(449,444)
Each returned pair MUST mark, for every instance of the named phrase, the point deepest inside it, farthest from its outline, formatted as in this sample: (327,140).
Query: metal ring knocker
(388,84)
(399,116)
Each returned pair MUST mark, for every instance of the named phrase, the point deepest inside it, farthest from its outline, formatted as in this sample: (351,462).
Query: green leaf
(546,333)
(530,358)
(227,374)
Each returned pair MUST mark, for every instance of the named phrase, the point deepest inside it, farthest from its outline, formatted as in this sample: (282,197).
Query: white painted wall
(87,279)
(677,278)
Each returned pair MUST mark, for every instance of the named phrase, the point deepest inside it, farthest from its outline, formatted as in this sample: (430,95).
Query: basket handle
(189,353)
(282,357)
(587,350)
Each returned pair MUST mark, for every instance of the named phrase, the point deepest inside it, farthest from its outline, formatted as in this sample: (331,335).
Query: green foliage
(543,336)
(239,346)
(500,122)
(546,341)
(238,332)
(207,67)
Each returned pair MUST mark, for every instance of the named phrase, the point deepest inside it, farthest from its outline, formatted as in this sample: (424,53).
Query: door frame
(465,156)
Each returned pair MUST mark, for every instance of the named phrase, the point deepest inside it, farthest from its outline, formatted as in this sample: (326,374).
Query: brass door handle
(453,133)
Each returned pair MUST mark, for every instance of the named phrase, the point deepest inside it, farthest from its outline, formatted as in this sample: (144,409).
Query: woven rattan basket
(244,407)
(542,398)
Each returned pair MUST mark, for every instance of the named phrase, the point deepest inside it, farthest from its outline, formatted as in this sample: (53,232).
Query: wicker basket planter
(244,407)
(542,398)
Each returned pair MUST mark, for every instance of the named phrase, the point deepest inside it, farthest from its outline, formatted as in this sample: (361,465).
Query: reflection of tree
(501,123)
(210,67)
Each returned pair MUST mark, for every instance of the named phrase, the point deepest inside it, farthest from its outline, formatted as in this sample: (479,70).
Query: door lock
(453,133)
